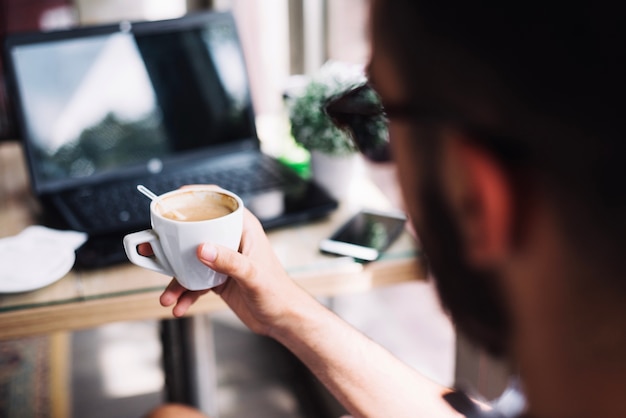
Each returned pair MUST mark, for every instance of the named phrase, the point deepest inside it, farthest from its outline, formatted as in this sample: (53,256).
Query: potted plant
(333,155)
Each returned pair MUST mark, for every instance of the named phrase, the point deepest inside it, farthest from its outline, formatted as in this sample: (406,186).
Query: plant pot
(334,173)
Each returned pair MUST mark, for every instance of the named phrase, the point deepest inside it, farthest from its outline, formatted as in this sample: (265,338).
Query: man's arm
(367,379)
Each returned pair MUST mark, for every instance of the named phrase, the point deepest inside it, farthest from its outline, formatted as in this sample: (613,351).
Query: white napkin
(36,257)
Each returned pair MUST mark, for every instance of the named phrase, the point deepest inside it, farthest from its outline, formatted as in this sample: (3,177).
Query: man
(505,122)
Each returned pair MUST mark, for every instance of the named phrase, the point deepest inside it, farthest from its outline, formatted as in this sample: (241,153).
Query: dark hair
(541,85)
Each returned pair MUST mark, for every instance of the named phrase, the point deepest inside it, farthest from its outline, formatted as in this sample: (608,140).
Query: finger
(226,261)
(172,293)
(220,288)
(250,221)
(145,249)
(185,301)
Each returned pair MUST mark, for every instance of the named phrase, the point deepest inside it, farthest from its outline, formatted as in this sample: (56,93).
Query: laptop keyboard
(126,207)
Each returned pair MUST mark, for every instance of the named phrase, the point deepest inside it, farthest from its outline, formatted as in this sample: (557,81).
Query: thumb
(225,260)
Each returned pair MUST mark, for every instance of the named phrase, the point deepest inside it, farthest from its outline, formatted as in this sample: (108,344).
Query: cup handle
(157,263)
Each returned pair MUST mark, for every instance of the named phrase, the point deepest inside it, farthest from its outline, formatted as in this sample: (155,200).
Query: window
(281,38)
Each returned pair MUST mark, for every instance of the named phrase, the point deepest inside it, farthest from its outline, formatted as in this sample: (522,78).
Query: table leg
(189,362)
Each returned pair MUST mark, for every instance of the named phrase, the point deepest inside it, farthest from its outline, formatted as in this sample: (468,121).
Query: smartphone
(366,235)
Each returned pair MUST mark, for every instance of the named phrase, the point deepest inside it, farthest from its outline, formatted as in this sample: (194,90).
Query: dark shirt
(510,404)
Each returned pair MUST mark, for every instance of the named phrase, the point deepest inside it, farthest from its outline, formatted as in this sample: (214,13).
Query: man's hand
(258,289)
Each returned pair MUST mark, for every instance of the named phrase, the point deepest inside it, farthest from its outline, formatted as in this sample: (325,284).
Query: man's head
(525,113)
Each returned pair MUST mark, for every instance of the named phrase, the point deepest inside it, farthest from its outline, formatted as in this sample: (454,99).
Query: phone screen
(365,235)
(370,230)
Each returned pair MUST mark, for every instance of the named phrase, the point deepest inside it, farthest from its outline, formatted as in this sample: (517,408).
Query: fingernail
(208,252)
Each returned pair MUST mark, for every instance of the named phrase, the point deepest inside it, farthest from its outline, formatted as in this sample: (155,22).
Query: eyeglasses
(360,113)
(365,118)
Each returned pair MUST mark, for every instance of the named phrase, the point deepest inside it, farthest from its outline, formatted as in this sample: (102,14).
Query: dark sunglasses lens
(369,135)
(359,113)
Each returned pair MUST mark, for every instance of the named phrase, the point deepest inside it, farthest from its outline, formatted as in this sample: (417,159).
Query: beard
(470,296)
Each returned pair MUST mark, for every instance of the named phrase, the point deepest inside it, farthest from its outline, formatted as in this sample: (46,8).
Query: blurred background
(281,38)
(115,370)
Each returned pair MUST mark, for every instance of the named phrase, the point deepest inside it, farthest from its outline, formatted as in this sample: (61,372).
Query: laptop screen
(101,102)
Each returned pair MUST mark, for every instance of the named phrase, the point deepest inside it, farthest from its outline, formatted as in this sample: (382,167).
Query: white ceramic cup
(175,241)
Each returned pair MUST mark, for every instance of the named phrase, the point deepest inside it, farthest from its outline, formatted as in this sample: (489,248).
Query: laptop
(159,103)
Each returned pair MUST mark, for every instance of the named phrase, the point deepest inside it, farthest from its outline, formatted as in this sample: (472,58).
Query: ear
(480,193)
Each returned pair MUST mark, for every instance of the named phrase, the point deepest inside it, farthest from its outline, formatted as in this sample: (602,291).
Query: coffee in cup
(195,205)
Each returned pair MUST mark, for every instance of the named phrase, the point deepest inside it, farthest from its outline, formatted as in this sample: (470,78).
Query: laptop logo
(154,166)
